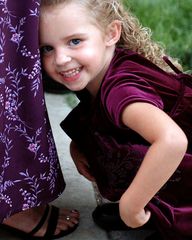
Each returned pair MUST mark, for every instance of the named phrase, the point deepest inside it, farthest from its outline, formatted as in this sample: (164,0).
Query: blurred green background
(171,24)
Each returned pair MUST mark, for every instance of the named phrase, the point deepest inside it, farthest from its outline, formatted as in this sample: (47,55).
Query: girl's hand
(130,217)
(80,162)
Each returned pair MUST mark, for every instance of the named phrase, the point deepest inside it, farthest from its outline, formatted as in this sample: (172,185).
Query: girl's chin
(75,87)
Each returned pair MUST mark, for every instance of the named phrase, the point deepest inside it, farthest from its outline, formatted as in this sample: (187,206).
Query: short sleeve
(129,90)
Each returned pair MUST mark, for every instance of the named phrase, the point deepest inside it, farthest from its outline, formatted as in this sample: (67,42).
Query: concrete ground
(79,193)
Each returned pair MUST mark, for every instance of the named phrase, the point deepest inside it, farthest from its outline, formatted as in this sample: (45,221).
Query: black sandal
(51,227)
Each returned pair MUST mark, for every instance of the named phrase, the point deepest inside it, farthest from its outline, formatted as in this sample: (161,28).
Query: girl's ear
(113,33)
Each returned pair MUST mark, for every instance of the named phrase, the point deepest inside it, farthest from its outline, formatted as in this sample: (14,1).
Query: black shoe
(154,236)
(107,217)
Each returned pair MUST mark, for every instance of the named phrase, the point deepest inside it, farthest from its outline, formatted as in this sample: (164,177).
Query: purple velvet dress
(115,152)
(30,173)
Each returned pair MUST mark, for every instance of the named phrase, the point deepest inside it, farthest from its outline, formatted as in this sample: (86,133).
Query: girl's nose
(61,58)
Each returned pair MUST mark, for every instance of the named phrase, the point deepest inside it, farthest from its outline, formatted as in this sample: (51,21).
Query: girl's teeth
(71,72)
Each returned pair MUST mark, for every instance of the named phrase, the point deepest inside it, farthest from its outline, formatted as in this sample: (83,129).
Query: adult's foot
(26,221)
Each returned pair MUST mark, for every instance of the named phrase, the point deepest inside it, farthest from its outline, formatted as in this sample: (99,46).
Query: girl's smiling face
(75,51)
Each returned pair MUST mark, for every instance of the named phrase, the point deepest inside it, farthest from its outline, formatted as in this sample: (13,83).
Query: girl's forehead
(66,20)
(70,11)
(77,5)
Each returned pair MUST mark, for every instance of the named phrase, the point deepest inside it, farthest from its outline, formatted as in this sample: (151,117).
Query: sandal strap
(52,224)
(41,222)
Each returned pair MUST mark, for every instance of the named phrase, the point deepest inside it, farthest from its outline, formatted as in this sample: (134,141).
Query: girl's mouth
(71,73)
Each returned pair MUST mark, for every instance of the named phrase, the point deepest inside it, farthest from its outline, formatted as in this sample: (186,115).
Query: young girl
(133,122)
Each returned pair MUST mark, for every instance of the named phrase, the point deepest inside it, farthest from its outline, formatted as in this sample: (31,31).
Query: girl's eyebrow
(76,35)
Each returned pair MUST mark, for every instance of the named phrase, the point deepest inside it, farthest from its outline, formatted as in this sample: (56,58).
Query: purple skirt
(30,173)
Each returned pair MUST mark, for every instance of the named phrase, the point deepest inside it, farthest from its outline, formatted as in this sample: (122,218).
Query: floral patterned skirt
(30,173)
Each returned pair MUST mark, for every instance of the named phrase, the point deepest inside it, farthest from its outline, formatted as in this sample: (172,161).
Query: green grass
(171,24)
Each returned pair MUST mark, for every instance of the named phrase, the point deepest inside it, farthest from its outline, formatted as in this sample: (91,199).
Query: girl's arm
(168,146)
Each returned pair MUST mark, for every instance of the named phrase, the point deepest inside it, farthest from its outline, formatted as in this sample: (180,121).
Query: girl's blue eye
(75,42)
(46,49)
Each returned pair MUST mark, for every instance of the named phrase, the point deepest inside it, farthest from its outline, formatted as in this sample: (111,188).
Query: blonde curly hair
(134,36)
